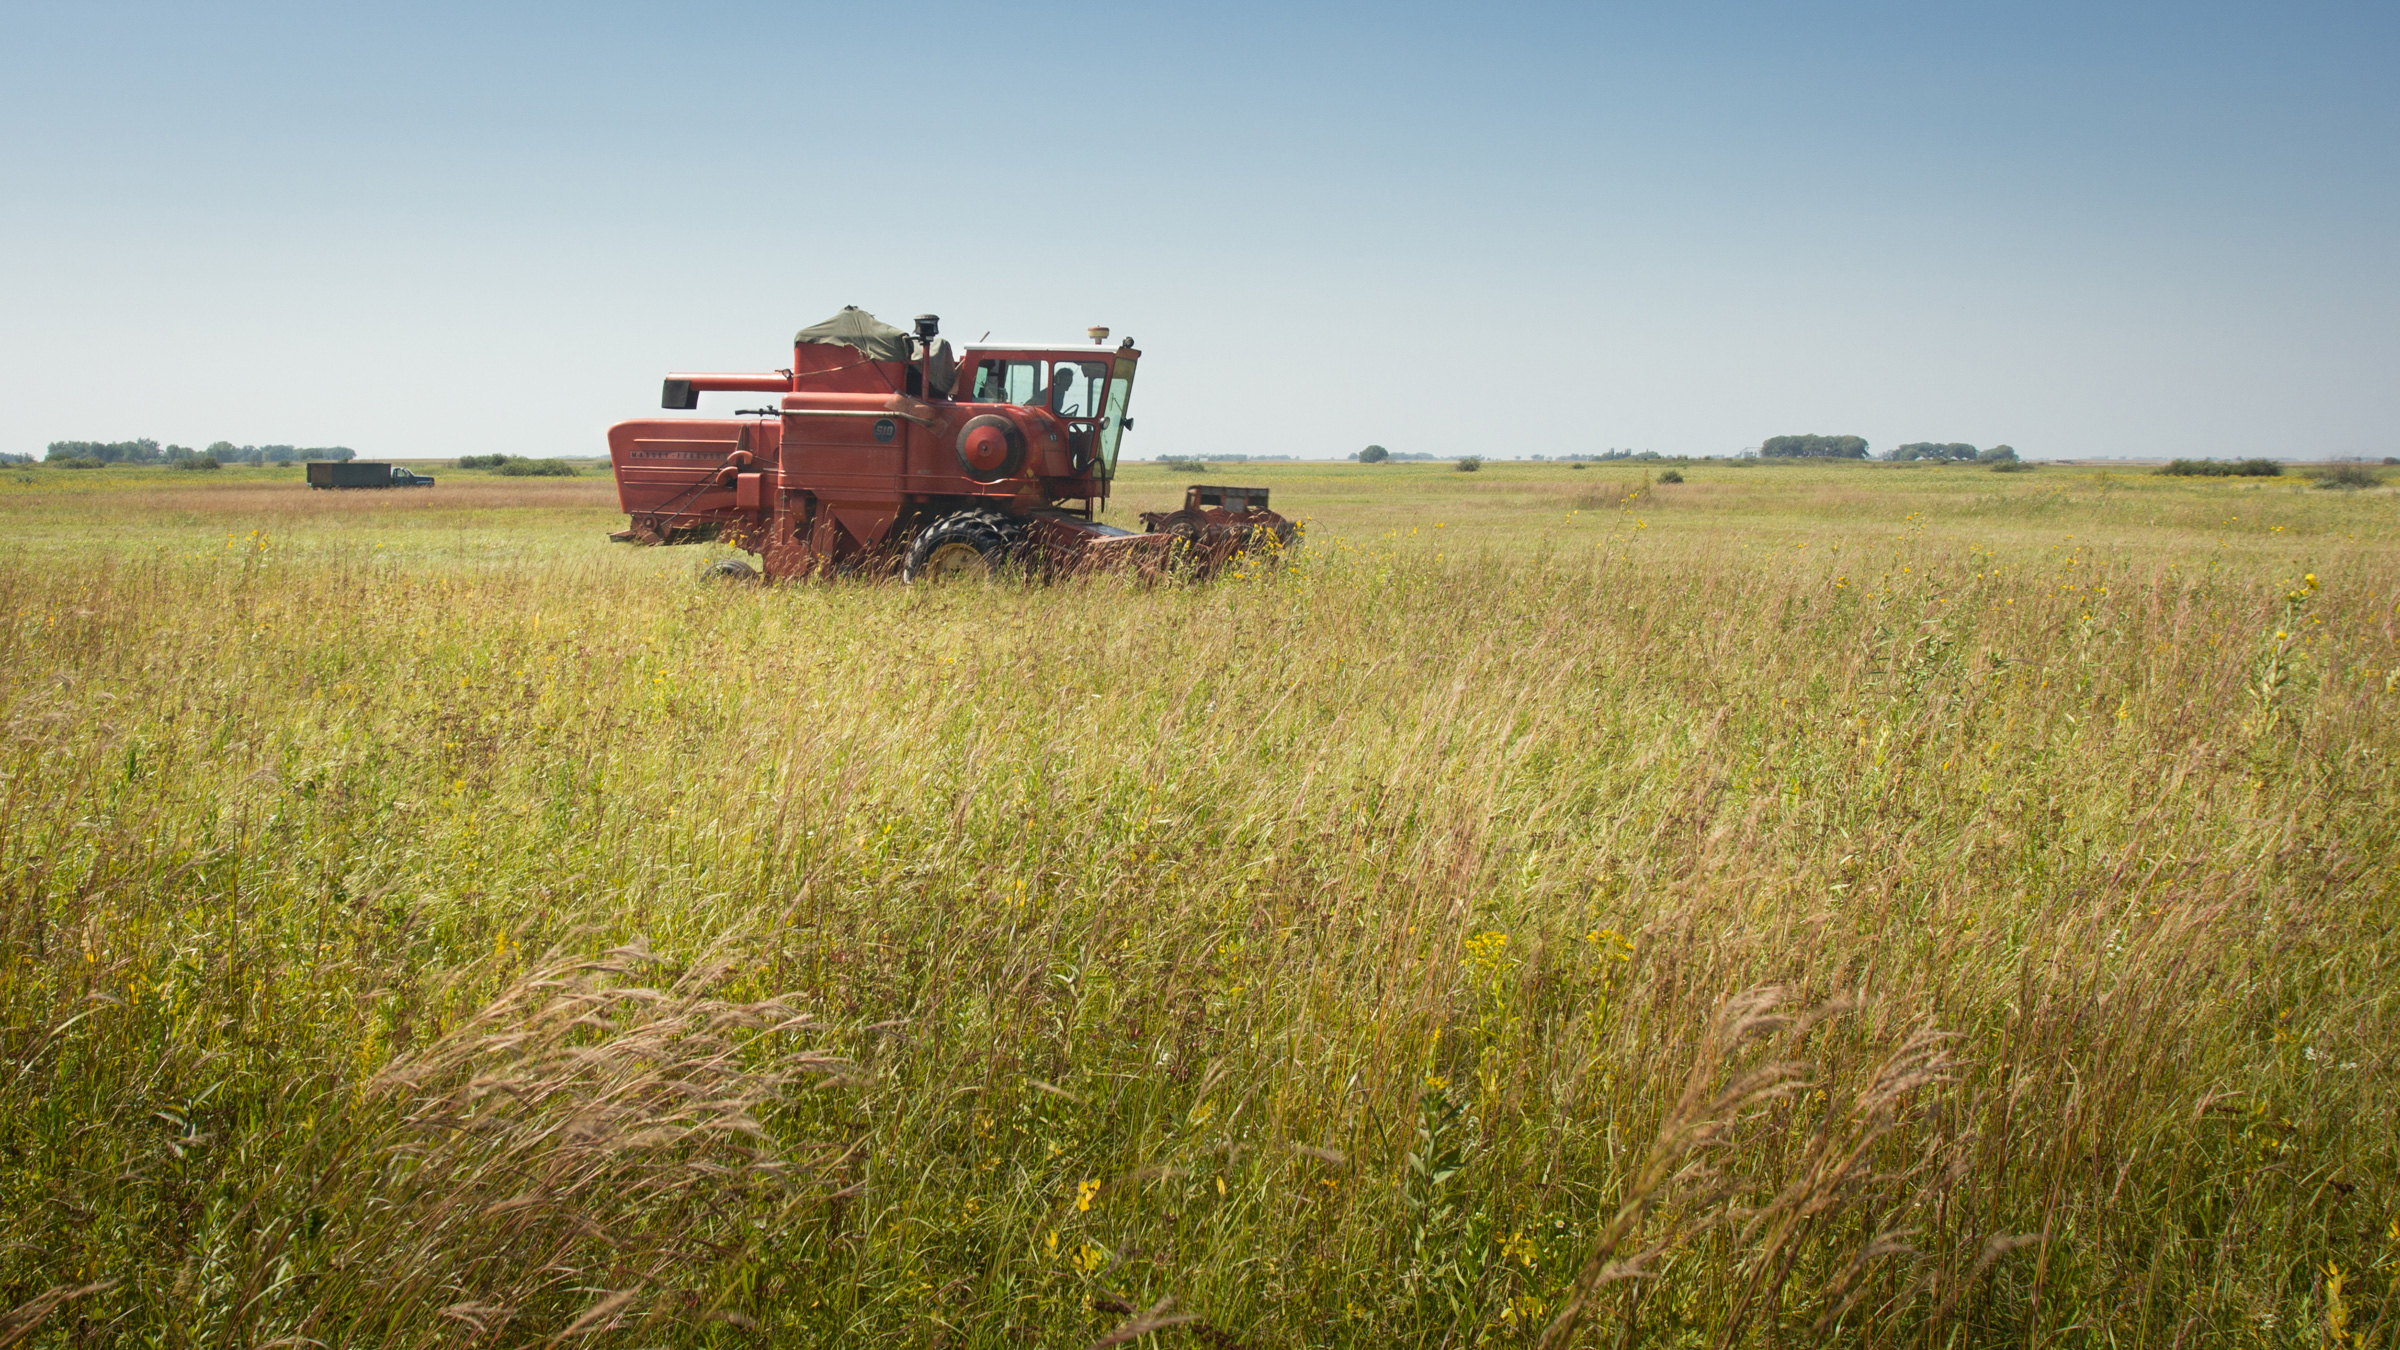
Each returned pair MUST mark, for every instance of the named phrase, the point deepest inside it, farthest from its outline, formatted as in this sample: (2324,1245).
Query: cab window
(1113,425)
(1018,382)
(1075,388)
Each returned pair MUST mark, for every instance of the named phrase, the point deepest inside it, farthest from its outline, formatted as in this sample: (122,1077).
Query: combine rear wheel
(972,545)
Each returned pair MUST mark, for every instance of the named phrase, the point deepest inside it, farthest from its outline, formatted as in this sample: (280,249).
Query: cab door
(1078,394)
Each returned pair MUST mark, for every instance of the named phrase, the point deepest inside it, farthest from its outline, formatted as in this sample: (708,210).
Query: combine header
(884,449)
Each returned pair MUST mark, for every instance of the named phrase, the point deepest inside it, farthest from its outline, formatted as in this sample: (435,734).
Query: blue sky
(2085,230)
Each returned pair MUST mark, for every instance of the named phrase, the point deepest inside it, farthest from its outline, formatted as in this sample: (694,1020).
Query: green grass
(1891,904)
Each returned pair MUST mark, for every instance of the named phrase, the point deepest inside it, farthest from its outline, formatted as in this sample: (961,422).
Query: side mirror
(679,395)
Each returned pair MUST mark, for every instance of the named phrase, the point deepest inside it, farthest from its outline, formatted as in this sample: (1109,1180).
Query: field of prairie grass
(1876,904)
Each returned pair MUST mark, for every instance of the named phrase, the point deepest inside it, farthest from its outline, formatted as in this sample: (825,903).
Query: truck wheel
(972,545)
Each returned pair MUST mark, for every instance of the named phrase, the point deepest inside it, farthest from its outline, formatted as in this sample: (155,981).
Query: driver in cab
(1062,385)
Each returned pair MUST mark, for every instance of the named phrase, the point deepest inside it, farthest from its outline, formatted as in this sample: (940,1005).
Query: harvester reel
(969,546)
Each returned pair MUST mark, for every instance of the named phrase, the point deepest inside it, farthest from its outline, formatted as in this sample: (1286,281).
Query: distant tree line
(1953,451)
(143,451)
(226,452)
(1376,454)
(1959,450)
(518,466)
(2221,468)
(1813,447)
(147,451)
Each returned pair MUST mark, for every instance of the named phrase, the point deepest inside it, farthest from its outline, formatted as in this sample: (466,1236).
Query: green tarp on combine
(854,327)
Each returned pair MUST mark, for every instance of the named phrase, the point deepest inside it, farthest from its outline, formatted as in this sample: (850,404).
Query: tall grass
(1658,944)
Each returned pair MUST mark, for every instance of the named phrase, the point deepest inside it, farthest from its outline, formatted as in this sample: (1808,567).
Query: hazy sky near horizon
(437,229)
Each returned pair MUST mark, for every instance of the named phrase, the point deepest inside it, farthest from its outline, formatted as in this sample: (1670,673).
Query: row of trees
(1855,447)
(1958,452)
(225,452)
(518,466)
(146,451)
(1376,454)
(2218,468)
(1814,447)
(143,451)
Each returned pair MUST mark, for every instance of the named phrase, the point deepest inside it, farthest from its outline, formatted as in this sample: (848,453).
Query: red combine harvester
(886,449)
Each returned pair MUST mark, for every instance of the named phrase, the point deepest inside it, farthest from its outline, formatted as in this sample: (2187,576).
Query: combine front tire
(970,545)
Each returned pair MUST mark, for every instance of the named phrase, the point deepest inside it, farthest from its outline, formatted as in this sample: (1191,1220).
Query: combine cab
(884,450)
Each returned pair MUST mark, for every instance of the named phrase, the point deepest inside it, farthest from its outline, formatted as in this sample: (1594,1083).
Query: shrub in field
(2348,476)
(2011,466)
(1469,463)
(1671,476)
(2221,468)
(198,462)
(1182,464)
(1373,454)
(535,468)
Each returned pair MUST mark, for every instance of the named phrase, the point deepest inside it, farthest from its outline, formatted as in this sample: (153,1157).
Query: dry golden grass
(1797,906)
